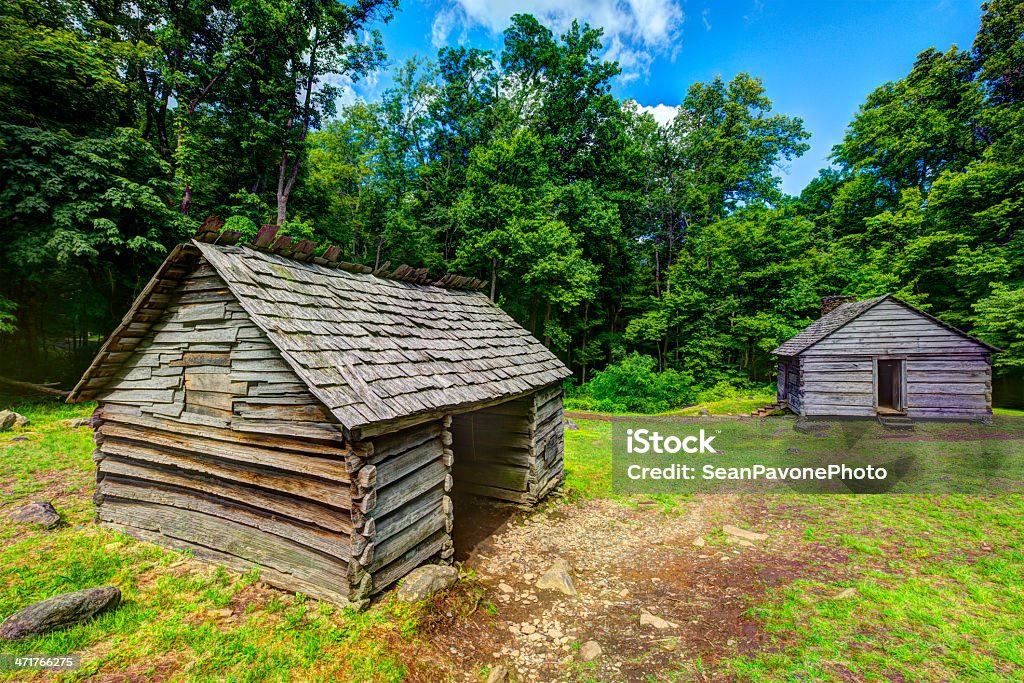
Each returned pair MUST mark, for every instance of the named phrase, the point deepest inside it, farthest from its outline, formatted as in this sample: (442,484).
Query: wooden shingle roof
(373,349)
(845,313)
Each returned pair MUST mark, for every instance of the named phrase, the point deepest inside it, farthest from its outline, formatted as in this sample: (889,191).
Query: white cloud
(635,31)
(705,16)
(662,113)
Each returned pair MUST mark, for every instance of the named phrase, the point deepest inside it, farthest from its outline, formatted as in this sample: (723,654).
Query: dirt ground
(678,566)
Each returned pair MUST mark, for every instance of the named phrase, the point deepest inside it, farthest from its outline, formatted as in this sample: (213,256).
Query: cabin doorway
(889,386)
(490,471)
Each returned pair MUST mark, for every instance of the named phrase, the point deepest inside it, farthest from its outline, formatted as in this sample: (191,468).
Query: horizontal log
(307,412)
(949,388)
(328,468)
(307,430)
(394,444)
(396,570)
(302,486)
(395,495)
(283,505)
(386,526)
(493,474)
(287,557)
(496,492)
(396,467)
(966,401)
(335,545)
(406,539)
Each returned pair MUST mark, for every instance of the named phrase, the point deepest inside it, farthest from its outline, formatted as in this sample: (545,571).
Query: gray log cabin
(883,356)
(301,415)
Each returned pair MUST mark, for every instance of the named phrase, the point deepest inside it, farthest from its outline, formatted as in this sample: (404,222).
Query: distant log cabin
(265,407)
(883,356)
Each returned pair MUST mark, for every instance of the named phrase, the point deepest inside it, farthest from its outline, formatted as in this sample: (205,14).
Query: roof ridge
(302,251)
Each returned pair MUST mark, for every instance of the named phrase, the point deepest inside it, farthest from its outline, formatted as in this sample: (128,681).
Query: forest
(660,258)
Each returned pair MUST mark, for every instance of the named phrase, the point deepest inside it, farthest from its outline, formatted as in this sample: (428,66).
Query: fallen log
(41,388)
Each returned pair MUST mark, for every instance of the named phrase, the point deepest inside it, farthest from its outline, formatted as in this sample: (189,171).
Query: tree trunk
(494,276)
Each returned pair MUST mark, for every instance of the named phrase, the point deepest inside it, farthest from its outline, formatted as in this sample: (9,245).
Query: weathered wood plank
(406,539)
(327,468)
(395,495)
(258,439)
(298,485)
(336,545)
(283,505)
(228,537)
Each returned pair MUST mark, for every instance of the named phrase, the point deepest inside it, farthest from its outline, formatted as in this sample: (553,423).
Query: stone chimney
(831,303)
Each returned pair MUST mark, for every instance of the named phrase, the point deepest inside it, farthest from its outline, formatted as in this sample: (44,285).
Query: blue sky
(818,60)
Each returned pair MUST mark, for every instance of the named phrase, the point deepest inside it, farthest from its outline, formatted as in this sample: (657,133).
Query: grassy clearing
(939,587)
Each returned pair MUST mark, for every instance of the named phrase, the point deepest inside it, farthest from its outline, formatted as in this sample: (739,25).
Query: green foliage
(8,321)
(604,233)
(634,385)
(1000,321)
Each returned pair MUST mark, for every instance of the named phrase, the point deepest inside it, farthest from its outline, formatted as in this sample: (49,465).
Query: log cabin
(882,356)
(265,407)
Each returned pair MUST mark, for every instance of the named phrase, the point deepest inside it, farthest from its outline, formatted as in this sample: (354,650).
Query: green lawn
(938,579)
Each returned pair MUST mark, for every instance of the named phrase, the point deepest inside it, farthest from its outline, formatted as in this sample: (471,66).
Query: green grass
(939,586)
(734,405)
(939,593)
(1014,412)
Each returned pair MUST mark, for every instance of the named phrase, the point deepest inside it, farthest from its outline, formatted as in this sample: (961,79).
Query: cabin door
(889,387)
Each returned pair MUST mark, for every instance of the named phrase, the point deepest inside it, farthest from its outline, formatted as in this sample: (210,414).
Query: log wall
(405,514)
(206,440)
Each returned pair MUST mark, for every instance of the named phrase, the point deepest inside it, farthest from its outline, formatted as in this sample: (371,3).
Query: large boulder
(421,583)
(7,420)
(40,512)
(60,611)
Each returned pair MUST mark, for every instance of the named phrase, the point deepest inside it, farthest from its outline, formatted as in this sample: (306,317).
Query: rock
(59,611)
(426,580)
(7,420)
(21,420)
(845,594)
(527,629)
(704,412)
(41,513)
(813,428)
(648,619)
(743,533)
(590,651)
(499,674)
(558,577)
(781,431)
(505,588)
(699,541)
(571,425)
(78,422)
(794,450)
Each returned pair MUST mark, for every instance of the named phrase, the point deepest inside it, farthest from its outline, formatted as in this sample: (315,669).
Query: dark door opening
(491,449)
(890,386)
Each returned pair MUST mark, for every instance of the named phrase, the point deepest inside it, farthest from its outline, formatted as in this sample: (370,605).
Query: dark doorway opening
(890,386)
(490,470)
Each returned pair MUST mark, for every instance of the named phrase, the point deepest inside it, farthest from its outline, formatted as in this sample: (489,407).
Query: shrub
(634,385)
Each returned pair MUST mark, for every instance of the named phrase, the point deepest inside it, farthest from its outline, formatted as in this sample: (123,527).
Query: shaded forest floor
(868,588)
